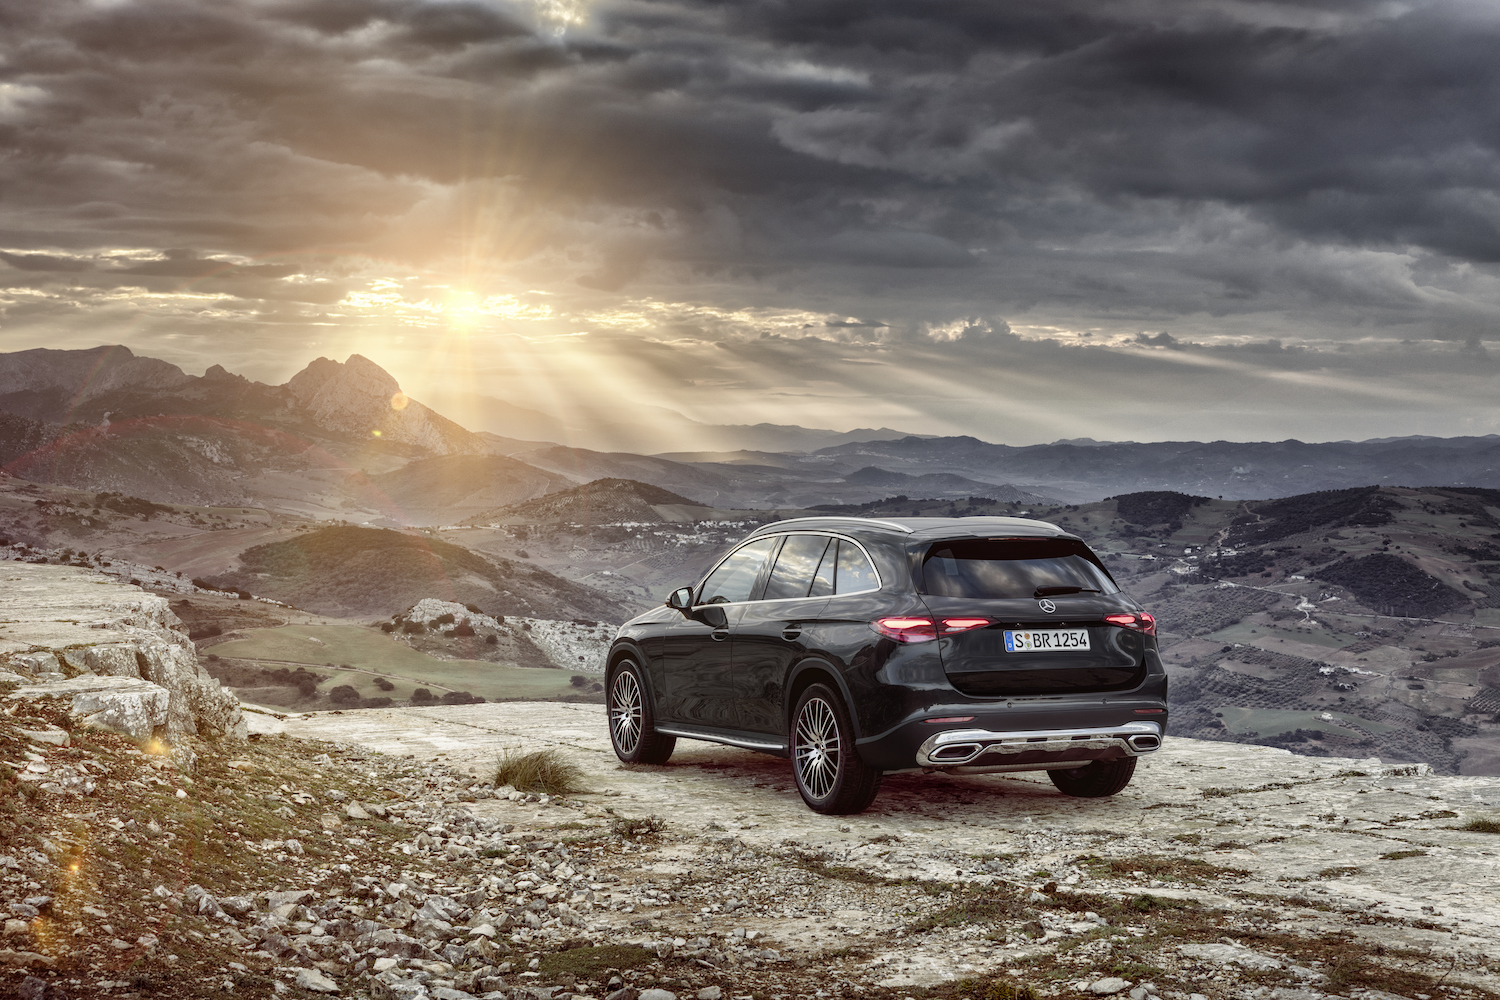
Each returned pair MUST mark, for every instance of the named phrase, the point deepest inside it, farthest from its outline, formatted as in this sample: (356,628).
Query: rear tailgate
(1026,651)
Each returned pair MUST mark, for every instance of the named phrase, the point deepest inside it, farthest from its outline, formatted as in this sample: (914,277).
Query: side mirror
(681,599)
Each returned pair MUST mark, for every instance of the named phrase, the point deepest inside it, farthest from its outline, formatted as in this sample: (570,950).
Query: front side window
(734,579)
(1004,568)
(795,566)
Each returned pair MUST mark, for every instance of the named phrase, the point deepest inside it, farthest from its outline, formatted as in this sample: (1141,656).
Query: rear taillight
(924,629)
(1141,621)
(906,629)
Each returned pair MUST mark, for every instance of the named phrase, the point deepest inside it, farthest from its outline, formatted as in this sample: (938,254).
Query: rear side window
(845,569)
(796,566)
(855,572)
(734,579)
(998,568)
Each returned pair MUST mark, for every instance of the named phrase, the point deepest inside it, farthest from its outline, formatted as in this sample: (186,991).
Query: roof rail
(840,517)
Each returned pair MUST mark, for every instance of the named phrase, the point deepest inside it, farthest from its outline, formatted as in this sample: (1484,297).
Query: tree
(421,696)
(344,695)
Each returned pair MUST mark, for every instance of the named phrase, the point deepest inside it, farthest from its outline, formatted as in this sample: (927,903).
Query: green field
(370,652)
(1270,722)
(1247,633)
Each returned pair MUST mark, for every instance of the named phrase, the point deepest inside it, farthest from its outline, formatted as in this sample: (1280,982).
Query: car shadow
(912,794)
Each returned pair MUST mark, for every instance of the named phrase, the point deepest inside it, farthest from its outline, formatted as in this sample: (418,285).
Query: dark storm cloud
(1340,123)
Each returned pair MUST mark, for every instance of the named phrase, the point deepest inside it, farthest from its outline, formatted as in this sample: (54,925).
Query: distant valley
(1326,598)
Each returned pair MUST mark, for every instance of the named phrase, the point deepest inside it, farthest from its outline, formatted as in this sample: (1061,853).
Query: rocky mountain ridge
(224,439)
(106,419)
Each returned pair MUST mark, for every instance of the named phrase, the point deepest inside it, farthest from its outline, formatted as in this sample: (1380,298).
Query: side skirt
(749,741)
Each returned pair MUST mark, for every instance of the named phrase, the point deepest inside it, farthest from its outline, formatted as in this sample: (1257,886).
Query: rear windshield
(1000,568)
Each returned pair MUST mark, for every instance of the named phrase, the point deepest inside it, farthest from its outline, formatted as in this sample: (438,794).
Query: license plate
(1055,640)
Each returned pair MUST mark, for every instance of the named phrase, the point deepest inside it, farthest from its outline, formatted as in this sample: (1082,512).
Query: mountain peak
(360,397)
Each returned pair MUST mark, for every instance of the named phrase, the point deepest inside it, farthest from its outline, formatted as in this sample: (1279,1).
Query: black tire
(631,726)
(1097,780)
(829,773)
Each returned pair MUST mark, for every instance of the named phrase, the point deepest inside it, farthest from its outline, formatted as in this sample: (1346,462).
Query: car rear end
(1047,663)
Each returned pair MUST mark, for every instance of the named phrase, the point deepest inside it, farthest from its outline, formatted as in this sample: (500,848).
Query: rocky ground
(369,854)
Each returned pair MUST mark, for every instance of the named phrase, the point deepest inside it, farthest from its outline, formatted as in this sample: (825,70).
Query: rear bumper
(1025,734)
(984,748)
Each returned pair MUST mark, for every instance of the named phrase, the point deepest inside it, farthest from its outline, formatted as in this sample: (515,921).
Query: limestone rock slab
(63,620)
(126,705)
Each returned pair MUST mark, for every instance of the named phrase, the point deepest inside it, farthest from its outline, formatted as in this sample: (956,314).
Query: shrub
(539,771)
(578,681)
(473,609)
(421,696)
(461,698)
(492,640)
(381,702)
(384,684)
(243,595)
(308,687)
(344,695)
(387,626)
(444,619)
(1482,826)
(463,629)
(413,628)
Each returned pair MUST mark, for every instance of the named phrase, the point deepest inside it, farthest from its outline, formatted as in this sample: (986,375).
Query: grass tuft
(1145,903)
(974,910)
(1339,871)
(1398,855)
(1481,826)
(539,771)
(632,829)
(997,988)
(595,961)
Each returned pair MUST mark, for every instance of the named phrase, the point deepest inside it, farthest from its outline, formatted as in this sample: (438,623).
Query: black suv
(856,646)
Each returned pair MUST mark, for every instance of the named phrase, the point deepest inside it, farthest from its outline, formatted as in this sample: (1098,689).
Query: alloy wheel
(625,712)
(817,748)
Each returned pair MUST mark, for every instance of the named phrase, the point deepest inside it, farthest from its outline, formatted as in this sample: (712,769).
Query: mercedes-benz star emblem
(1047,606)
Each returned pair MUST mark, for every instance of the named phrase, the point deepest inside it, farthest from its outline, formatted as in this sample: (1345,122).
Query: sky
(1023,220)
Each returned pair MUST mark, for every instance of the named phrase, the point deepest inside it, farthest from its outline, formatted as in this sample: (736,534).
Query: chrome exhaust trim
(1054,765)
(958,747)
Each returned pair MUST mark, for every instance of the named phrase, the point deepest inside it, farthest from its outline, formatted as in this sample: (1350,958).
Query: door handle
(720,634)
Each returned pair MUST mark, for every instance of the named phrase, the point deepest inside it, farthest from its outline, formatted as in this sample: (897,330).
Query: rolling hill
(603,501)
(344,571)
